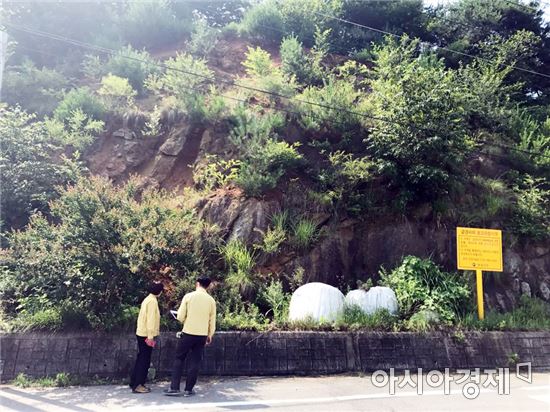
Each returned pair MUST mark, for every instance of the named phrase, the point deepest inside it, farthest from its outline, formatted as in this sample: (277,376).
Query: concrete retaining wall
(274,353)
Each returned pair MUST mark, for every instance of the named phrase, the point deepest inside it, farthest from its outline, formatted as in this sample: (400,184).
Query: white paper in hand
(174,313)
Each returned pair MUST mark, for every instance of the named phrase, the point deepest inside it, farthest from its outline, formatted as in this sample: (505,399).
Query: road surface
(327,393)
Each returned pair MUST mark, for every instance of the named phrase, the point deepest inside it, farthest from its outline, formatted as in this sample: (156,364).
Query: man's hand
(208,340)
(150,342)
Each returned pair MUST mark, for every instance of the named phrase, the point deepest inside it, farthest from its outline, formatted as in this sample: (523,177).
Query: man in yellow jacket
(148,326)
(197,312)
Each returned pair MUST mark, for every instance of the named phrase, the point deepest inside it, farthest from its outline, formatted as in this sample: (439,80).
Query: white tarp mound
(317,301)
(378,297)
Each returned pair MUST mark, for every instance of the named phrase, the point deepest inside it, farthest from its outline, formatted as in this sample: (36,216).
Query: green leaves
(420,285)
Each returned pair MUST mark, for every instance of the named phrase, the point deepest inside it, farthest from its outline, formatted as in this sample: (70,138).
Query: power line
(209,78)
(441,48)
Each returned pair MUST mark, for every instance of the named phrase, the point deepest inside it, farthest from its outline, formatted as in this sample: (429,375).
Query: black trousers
(143,360)
(193,346)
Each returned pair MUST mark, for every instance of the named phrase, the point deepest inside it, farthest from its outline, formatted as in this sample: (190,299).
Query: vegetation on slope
(339,119)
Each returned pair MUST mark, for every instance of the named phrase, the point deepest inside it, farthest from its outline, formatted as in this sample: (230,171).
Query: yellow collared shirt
(148,323)
(197,312)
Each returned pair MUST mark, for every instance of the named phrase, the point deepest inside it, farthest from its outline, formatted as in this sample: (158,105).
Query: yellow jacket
(197,312)
(148,323)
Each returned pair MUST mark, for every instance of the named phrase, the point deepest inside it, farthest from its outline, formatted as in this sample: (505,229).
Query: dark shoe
(188,393)
(141,389)
(172,392)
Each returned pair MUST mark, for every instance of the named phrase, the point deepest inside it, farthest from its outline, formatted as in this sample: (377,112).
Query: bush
(240,262)
(422,143)
(332,104)
(532,210)
(277,300)
(83,99)
(102,250)
(117,94)
(262,168)
(132,64)
(189,89)
(300,18)
(305,233)
(420,285)
(215,172)
(264,160)
(35,90)
(31,166)
(531,314)
(264,75)
(203,39)
(263,21)
(272,240)
(354,318)
(154,23)
(79,131)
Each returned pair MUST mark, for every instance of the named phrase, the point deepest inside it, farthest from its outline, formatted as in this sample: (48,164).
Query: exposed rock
(222,210)
(124,133)
(525,289)
(175,142)
(253,220)
(544,291)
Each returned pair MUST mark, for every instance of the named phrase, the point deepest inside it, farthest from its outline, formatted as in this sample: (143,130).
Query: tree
(31,165)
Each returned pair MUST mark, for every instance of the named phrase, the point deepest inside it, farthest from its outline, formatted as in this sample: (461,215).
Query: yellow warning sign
(479,249)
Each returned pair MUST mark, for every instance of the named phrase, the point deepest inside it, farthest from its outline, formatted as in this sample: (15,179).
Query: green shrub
(277,300)
(78,130)
(272,240)
(354,318)
(83,99)
(31,165)
(263,21)
(35,90)
(189,89)
(304,233)
(420,285)
(419,155)
(423,321)
(215,172)
(243,316)
(293,58)
(264,75)
(42,320)
(154,23)
(301,19)
(334,106)
(132,64)
(531,216)
(264,160)
(116,93)
(240,262)
(101,250)
(531,314)
(203,39)
(262,168)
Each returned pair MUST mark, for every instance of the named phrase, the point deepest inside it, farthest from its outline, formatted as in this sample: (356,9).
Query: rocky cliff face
(348,250)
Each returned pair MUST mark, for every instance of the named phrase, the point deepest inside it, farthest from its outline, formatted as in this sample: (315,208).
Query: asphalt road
(327,393)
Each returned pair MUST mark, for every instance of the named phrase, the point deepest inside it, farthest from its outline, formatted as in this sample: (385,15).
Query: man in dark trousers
(197,312)
(148,326)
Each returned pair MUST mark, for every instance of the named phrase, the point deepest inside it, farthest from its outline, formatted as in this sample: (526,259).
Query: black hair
(204,281)
(155,288)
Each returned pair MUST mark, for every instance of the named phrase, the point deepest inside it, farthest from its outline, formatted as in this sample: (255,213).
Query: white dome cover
(317,301)
(378,297)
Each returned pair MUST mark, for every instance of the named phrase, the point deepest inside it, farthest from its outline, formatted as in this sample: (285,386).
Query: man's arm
(211,323)
(182,311)
(151,322)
